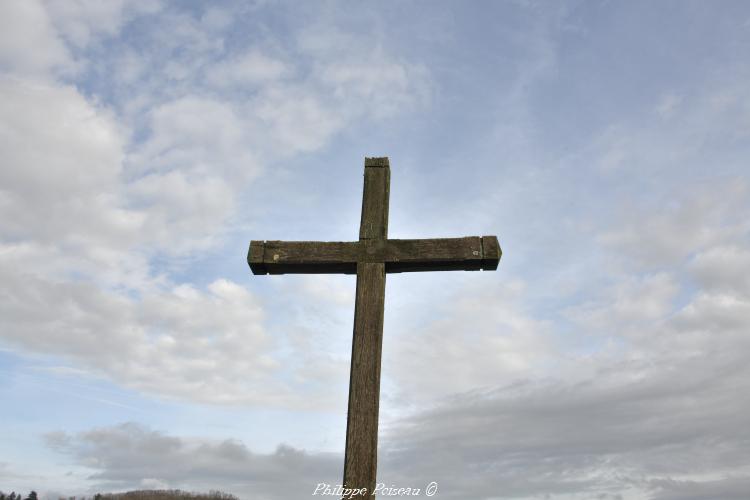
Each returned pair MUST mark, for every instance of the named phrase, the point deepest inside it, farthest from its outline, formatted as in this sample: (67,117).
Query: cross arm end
(255,257)
(491,253)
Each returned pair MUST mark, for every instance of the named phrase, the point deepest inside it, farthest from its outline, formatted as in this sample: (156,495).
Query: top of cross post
(377,162)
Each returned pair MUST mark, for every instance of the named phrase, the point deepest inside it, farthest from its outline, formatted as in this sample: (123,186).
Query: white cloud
(626,307)
(717,318)
(64,211)
(250,68)
(217,18)
(361,75)
(386,86)
(474,341)
(126,455)
(187,174)
(719,268)
(80,21)
(85,219)
(605,436)
(700,131)
(185,210)
(77,231)
(201,135)
(692,219)
(199,345)
(727,488)
(87,206)
(298,120)
(29,45)
(62,160)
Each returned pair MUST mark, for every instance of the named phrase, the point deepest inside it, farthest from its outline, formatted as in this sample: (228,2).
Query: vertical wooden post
(360,459)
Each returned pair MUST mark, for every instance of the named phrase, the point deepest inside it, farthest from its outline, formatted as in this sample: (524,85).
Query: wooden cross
(370,258)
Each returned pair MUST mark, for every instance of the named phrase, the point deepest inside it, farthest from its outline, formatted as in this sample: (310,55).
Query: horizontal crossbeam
(471,253)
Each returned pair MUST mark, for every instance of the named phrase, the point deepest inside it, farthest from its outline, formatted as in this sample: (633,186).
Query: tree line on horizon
(13,496)
(134,495)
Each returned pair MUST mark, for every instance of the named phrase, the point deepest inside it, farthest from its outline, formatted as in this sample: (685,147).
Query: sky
(143,144)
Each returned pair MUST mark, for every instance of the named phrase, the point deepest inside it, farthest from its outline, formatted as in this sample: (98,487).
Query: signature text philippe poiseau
(381,489)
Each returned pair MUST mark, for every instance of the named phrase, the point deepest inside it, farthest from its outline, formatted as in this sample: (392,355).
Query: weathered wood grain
(470,253)
(439,254)
(303,257)
(376,192)
(360,458)
(361,452)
